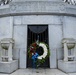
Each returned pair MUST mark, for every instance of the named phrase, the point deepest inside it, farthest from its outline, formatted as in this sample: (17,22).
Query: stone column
(10,52)
(23,45)
(52,48)
(65,52)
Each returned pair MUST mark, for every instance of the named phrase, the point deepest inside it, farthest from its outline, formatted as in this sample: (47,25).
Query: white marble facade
(20,28)
(18,31)
(14,23)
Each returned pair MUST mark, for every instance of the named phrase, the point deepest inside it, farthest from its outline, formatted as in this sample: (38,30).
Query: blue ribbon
(34,58)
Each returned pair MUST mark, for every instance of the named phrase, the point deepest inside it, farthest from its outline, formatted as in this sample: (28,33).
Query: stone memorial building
(24,21)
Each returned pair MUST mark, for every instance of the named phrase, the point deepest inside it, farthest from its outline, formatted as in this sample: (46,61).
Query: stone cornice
(38,8)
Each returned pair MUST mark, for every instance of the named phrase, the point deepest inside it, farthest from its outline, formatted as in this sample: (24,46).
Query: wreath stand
(38,59)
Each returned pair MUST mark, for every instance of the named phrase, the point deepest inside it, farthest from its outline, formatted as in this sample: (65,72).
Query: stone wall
(6,27)
(58,26)
(17,15)
(20,35)
(69,27)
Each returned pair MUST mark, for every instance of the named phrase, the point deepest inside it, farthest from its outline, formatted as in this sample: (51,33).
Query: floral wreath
(34,55)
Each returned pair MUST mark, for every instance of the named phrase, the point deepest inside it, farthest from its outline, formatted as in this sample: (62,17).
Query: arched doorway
(37,32)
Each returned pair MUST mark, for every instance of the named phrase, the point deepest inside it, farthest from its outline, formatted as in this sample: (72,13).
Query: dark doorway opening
(37,32)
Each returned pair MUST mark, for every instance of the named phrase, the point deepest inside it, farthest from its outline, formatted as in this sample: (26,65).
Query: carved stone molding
(38,7)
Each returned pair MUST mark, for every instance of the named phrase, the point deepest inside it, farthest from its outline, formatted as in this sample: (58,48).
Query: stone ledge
(67,67)
(8,67)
